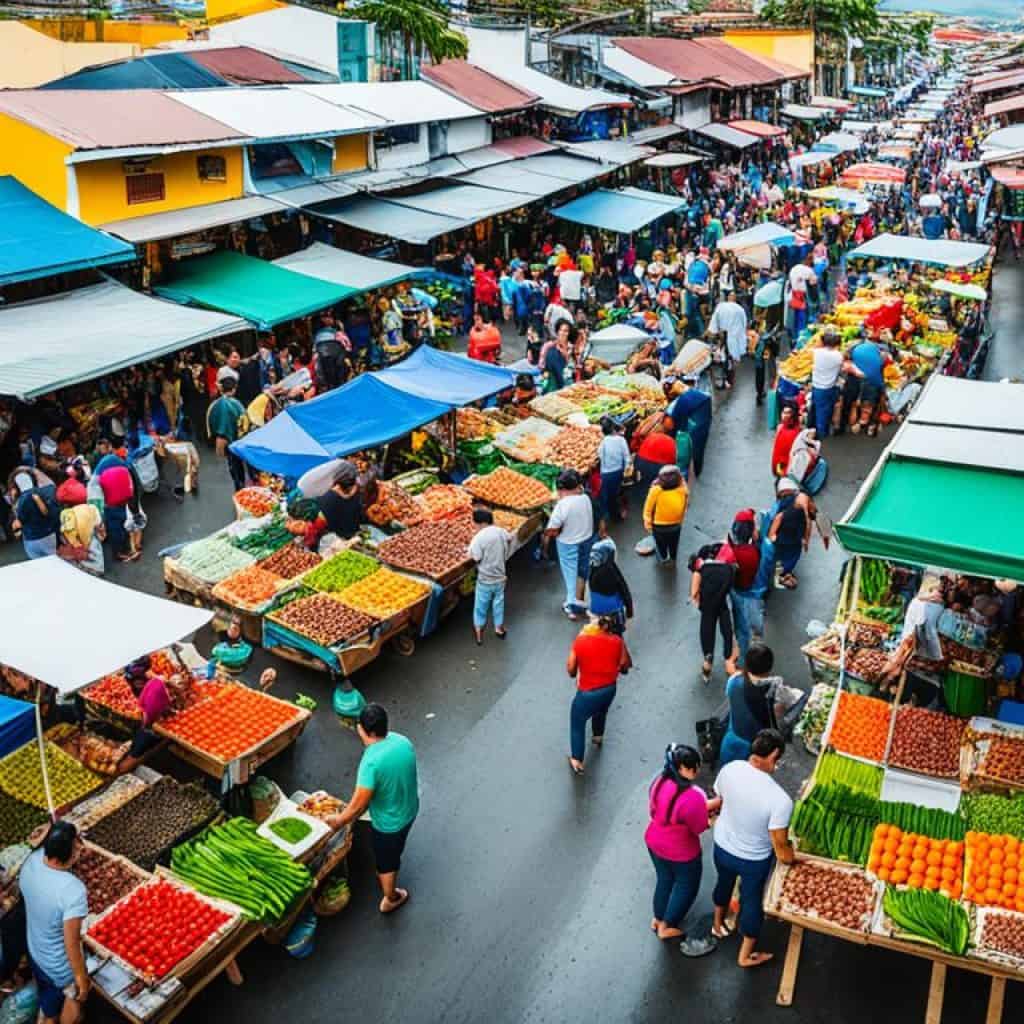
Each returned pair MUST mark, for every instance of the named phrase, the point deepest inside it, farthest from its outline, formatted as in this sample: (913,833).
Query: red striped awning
(871,173)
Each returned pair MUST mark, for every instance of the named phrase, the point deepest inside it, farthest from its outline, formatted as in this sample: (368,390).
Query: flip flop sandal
(722,933)
(403,898)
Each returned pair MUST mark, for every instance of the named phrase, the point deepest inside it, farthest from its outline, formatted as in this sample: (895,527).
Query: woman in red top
(788,431)
(597,657)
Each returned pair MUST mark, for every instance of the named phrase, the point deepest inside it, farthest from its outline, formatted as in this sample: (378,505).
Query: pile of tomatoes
(231,723)
(157,926)
(113,692)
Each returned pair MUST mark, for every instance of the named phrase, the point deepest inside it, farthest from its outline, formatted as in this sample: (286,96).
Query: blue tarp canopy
(17,724)
(157,71)
(365,413)
(37,239)
(623,210)
(445,377)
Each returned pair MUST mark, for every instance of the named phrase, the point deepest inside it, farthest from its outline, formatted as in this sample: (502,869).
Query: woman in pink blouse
(679,814)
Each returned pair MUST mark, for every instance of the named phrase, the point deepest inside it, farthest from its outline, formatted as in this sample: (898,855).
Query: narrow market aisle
(1006,358)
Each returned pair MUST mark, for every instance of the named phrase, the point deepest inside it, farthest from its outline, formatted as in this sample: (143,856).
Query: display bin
(965,691)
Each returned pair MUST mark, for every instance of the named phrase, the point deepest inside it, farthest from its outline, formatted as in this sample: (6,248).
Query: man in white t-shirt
(569,282)
(750,833)
(826,365)
(572,526)
(800,277)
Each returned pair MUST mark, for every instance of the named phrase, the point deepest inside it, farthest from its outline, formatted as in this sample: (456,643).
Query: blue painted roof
(159,71)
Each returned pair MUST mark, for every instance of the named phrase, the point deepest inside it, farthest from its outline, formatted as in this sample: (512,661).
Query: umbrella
(931,201)
(768,295)
(963,291)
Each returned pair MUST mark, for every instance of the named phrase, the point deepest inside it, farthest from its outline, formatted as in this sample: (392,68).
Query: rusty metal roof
(477,87)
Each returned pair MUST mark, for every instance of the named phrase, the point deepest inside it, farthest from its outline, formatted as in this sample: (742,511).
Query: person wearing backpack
(226,422)
(680,812)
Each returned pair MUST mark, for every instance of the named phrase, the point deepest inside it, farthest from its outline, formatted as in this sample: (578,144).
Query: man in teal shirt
(225,423)
(387,785)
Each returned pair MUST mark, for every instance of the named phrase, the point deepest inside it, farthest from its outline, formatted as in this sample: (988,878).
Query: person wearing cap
(571,526)
(790,530)
(665,511)
(697,285)
(36,515)
(56,904)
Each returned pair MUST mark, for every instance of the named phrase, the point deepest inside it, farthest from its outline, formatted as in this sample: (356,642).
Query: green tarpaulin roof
(261,292)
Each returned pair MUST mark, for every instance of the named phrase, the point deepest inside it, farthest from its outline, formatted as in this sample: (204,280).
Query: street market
(311,484)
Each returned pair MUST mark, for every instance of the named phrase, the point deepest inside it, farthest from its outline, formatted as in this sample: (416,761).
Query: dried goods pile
(394,505)
(233,723)
(148,824)
(1004,760)
(844,897)
(213,559)
(905,858)
(442,500)
(257,501)
(929,915)
(510,489)
(124,788)
(861,726)
(321,805)
(105,878)
(323,619)
(866,662)
(18,819)
(431,549)
(341,571)
(250,588)
(926,741)
(508,520)
(1004,933)
(232,862)
(993,869)
(157,926)
(472,425)
(384,594)
(21,776)
(114,693)
(290,561)
(575,448)
(265,539)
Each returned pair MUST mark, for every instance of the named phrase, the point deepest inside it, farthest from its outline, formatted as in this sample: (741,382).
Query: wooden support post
(787,983)
(995,1001)
(936,991)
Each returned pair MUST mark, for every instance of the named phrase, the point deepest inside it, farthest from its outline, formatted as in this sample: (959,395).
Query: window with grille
(212,168)
(145,188)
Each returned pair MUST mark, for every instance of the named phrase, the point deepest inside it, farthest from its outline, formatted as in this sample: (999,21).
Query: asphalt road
(531,888)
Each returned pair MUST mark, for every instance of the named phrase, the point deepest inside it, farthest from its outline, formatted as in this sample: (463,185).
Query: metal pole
(42,753)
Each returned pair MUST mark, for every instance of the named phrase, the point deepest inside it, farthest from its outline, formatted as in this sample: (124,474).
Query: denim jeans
(676,888)
(588,706)
(40,548)
(114,517)
(747,618)
(824,401)
(611,488)
(569,556)
(753,874)
(694,319)
(489,596)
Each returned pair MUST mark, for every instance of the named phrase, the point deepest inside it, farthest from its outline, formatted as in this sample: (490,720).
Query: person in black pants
(710,584)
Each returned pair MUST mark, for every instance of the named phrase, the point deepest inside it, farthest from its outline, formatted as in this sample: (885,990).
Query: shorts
(51,995)
(388,848)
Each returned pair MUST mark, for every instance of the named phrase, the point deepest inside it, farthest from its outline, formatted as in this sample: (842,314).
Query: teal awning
(871,91)
(624,210)
(262,293)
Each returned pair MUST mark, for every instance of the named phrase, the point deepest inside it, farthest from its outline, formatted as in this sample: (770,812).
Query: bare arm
(73,948)
(773,530)
(356,806)
(695,588)
(572,663)
(782,846)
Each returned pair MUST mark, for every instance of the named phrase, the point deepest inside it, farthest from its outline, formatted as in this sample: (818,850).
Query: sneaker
(570,612)
(698,947)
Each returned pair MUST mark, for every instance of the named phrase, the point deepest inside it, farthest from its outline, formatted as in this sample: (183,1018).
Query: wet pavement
(530,888)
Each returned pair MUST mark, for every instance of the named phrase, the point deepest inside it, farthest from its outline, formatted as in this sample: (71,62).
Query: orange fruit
(915,881)
(995,855)
(933,872)
(947,874)
(898,876)
(968,891)
(920,851)
(934,858)
(892,844)
(996,840)
(1011,859)
(990,896)
(956,848)
(931,884)
(1011,842)
(873,863)
(888,860)
(1010,875)
(918,866)
(956,891)
(1009,889)
(903,863)
(881,830)
(883,874)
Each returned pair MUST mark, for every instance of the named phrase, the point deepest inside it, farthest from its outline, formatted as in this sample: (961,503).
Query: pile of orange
(861,726)
(919,862)
(995,874)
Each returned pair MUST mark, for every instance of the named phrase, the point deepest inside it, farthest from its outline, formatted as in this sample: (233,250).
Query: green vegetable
(925,821)
(929,915)
(291,830)
(860,777)
(997,815)
(341,571)
(263,542)
(305,702)
(232,862)
(213,559)
(836,821)
(880,613)
(874,581)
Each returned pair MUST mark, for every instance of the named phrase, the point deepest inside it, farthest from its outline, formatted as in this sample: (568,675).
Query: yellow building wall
(791,46)
(225,10)
(102,193)
(96,30)
(350,153)
(35,159)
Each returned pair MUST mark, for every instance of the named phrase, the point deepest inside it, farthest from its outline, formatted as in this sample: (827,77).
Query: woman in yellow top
(665,510)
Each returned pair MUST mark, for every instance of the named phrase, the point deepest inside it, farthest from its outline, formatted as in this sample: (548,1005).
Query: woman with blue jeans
(597,657)
(679,815)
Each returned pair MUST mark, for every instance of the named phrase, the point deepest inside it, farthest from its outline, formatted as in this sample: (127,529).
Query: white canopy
(1010,137)
(922,250)
(768,233)
(68,629)
(728,135)
(339,266)
(620,332)
(804,113)
(799,160)
(838,142)
(62,339)
(672,160)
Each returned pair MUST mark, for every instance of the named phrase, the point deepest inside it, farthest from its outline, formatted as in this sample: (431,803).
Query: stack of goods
(340,572)
(575,448)
(443,500)
(265,539)
(996,756)
(251,589)
(527,441)
(157,926)
(394,505)
(213,559)
(473,425)
(321,805)
(508,520)
(96,752)
(384,594)
(917,860)
(861,726)
(509,489)
(232,862)
(145,827)
(18,819)
(843,897)
(323,619)
(256,501)
(234,722)
(555,407)
(992,871)
(289,562)
(106,879)
(431,549)
(21,776)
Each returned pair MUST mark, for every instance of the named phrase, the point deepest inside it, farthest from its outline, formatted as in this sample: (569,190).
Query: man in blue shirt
(933,225)
(697,278)
(691,412)
(865,362)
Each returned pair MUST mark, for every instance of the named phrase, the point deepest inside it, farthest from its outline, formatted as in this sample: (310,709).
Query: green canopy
(260,292)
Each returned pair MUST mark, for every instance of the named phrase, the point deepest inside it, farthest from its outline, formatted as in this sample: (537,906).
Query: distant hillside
(995,10)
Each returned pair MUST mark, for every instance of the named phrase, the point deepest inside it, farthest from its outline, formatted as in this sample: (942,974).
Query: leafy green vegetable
(341,571)
(930,915)
(291,830)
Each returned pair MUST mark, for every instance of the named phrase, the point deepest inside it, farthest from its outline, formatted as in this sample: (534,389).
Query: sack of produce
(265,797)
(333,897)
(300,940)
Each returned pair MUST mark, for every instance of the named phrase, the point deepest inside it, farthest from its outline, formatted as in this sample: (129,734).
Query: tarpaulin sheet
(37,239)
(624,211)
(728,136)
(17,724)
(350,269)
(365,413)
(921,250)
(446,377)
(768,233)
(261,292)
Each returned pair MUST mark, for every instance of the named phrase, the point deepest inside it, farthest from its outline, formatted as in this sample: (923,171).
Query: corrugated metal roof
(656,133)
(729,136)
(610,151)
(158,71)
(244,65)
(758,128)
(1005,106)
(643,73)
(155,226)
(388,218)
(521,146)
(115,119)
(363,273)
(395,102)
(277,111)
(478,87)
(1010,81)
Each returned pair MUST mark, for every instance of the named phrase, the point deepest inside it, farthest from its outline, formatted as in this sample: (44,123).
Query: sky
(994,9)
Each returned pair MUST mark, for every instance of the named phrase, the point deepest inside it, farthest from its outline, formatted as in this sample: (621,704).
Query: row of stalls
(910,829)
(169,908)
(432,437)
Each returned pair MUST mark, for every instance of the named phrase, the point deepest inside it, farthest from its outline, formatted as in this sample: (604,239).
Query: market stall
(913,815)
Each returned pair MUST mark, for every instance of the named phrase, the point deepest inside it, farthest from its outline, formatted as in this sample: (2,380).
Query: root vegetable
(432,549)
(844,897)
(510,489)
(927,742)
(325,620)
